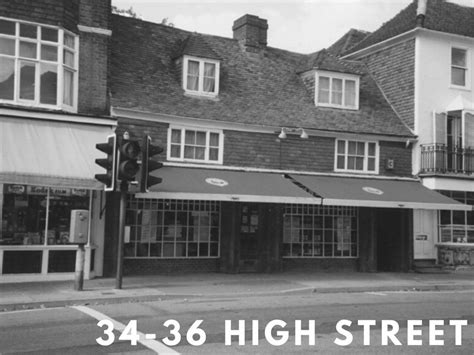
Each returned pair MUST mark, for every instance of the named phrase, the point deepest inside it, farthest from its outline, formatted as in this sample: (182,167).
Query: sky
(302,26)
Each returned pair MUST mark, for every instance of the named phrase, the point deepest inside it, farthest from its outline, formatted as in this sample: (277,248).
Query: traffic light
(149,165)
(109,163)
(129,152)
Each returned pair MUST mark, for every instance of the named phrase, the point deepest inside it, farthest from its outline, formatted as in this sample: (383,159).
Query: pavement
(46,294)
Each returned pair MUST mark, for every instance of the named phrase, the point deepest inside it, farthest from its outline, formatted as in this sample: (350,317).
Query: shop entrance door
(249,237)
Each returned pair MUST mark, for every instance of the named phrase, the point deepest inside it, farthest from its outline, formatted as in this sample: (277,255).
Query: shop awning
(50,153)
(224,185)
(365,192)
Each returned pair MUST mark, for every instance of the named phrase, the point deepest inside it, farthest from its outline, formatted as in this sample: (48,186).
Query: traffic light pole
(121,234)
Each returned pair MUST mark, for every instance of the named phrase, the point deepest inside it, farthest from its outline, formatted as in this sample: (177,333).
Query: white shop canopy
(51,153)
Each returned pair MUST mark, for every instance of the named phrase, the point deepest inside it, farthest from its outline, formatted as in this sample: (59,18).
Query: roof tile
(263,90)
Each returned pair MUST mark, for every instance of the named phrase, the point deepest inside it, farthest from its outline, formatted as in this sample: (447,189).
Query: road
(74,330)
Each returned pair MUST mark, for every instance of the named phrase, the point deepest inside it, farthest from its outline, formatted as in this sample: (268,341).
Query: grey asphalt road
(269,325)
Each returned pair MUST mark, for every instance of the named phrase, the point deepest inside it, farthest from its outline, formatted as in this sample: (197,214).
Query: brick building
(435,99)
(273,160)
(53,110)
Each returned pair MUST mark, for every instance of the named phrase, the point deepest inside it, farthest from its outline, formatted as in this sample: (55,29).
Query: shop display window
(457,226)
(172,228)
(319,231)
(38,215)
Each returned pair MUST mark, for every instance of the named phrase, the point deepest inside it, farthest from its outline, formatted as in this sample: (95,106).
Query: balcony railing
(437,158)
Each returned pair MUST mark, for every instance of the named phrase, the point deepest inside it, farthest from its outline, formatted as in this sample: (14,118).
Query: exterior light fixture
(282,134)
(285,130)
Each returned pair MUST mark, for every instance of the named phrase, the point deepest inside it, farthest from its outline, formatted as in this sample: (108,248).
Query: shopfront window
(319,231)
(172,228)
(457,226)
(38,215)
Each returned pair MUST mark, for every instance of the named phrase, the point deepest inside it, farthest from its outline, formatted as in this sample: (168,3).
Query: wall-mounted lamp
(284,130)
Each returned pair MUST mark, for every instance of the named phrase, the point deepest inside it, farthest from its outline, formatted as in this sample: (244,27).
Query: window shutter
(468,129)
(439,128)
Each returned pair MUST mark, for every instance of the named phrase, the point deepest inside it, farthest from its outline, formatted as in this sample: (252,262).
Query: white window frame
(183,130)
(366,156)
(344,77)
(200,90)
(467,68)
(60,66)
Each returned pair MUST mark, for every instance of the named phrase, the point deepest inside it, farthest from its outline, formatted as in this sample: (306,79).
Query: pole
(121,233)
(79,274)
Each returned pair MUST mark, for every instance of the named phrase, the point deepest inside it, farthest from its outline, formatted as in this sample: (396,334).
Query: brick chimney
(251,31)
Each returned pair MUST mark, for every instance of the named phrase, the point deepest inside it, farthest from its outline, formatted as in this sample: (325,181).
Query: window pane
(336,97)
(458,76)
(28,50)
(68,58)
(28,31)
(340,162)
(209,70)
(7,78)
(213,154)
(323,96)
(69,40)
(190,137)
(341,146)
(359,163)
(209,84)
(360,148)
(323,89)
(337,85)
(324,82)
(371,164)
(175,151)
(200,153)
(201,138)
(214,139)
(351,163)
(188,152)
(27,80)
(49,53)
(48,87)
(352,147)
(209,77)
(68,88)
(49,34)
(193,75)
(7,27)
(372,149)
(350,93)
(458,57)
(7,46)
(175,136)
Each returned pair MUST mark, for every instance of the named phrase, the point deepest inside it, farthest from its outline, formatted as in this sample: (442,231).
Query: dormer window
(38,65)
(201,76)
(337,90)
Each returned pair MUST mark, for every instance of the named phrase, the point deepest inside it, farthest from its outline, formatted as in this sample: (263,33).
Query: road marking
(30,310)
(150,336)
(154,345)
(376,293)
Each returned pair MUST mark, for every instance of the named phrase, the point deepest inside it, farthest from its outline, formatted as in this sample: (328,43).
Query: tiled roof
(440,16)
(195,45)
(325,60)
(346,42)
(257,88)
